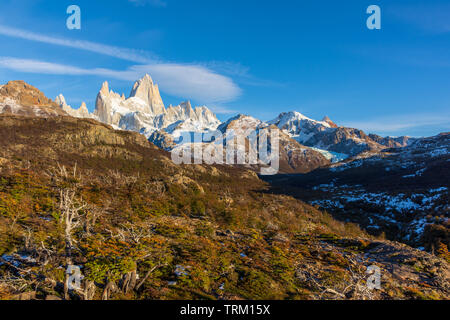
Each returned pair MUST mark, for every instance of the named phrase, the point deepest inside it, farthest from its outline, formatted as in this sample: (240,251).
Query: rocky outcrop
(144,112)
(20,98)
(391,142)
(331,123)
(325,135)
(82,112)
(148,92)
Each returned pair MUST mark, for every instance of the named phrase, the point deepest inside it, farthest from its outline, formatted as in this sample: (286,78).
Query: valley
(92,190)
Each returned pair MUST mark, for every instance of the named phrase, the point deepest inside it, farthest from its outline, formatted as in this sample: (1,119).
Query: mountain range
(334,162)
(100,191)
(307,143)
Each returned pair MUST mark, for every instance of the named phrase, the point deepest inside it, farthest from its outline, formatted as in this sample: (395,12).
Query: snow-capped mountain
(336,143)
(293,157)
(298,126)
(144,111)
(306,144)
(81,112)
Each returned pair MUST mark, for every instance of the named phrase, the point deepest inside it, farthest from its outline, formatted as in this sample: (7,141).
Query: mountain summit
(18,97)
(144,111)
(146,90)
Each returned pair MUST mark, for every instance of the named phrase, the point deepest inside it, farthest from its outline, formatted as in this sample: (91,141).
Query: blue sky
(254,57)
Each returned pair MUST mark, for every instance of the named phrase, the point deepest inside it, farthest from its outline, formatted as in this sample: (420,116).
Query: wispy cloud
(188,81)
(392,124)
(139,56)
(185,81)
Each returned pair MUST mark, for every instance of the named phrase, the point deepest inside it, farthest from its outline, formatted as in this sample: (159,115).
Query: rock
(20,98)
(146,90)
(144,112)
(82,112)
(331,123)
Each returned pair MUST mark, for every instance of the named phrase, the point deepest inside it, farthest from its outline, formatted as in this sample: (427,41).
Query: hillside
(402,192)
(74,191)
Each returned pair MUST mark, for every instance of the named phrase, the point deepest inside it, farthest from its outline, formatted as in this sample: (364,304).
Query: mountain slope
(189,232)
(18,97)
(403,192)
(144,111)
(246,135)
(77,192)
(336,143)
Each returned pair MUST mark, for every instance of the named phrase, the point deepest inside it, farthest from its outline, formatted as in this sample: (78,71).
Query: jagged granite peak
(144,111)
(103,104)
(105,88)
(148,91)
(81,112)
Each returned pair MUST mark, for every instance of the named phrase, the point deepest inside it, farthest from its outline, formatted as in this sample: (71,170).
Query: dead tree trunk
(89,290)
(108,290)
(128,282)
(71,219)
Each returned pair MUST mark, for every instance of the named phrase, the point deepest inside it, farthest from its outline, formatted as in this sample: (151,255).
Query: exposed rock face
(148,92)
(391,142)
(162,140)
(18,97)
(82,112)
(294,157)
(403,192)
(331,123)
(337,143)
(144,112)
(344,140)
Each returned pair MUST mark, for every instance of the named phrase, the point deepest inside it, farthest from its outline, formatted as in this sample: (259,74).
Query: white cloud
(139,56)
(187,81)
(184,81)
(191,80)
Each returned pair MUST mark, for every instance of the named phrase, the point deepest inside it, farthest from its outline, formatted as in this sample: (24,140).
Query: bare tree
(70,217)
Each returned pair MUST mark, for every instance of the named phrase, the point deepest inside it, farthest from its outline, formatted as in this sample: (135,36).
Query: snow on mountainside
(294,157)
(298,126)
(403,191)
(82,112)
(336,143)
(144,111)
(314,143)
